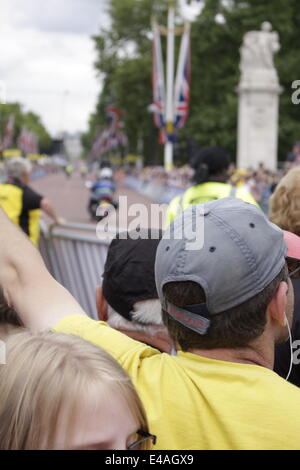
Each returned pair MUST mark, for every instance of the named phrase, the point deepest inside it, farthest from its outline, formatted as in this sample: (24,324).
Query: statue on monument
(258,50)
(259,91)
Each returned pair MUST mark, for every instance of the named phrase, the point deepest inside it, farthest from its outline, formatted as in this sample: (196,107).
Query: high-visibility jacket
(202,193)
(22,205)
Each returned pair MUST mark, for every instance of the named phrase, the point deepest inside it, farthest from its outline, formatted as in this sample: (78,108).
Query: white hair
(146,318)
(17,167)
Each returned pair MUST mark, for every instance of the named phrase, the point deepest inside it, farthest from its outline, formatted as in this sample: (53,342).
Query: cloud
(47,59)
(58,16)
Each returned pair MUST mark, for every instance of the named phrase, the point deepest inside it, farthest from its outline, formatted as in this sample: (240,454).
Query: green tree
(124,55)
(30,120)
(124,63)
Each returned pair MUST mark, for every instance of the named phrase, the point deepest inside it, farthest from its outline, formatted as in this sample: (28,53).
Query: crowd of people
(194,344)
(190,349)
(260,182)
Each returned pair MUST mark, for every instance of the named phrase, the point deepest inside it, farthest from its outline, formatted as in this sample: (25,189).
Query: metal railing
(161,193)
(75,257)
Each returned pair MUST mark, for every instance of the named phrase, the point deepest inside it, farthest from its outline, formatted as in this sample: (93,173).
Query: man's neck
(242,356)
(260,352)
(221,178)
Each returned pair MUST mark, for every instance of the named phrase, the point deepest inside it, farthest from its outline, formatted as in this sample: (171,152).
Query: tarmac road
(70,199)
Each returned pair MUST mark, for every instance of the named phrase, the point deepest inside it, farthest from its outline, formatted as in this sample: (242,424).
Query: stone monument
(259,92)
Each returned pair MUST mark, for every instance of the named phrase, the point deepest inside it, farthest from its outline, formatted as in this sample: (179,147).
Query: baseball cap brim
(293,244)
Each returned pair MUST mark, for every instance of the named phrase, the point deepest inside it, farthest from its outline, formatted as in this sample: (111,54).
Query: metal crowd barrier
(76,257)
(163,194)
(160,193)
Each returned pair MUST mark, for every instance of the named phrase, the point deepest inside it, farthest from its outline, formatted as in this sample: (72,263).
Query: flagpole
(168,157)
(181,61)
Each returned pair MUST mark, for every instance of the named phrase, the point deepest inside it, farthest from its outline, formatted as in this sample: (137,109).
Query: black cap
(129,271)
(215,157)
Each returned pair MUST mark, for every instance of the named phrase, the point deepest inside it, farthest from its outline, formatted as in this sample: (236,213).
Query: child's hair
(46,373)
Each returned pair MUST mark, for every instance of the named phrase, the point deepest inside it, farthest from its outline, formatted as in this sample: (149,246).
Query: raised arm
(48,208)
(27,285)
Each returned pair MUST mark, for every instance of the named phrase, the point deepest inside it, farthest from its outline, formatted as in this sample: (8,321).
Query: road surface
(70,198)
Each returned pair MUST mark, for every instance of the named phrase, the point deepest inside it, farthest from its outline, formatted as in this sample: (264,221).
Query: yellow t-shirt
(193,402)
(21,205)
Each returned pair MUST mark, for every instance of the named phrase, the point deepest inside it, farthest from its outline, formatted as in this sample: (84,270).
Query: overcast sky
(46,58)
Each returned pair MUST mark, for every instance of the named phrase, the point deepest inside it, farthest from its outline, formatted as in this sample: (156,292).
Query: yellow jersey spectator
(211,166)
(20,202)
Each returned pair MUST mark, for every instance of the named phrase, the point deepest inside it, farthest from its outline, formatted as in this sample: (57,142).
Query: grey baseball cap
(241,253)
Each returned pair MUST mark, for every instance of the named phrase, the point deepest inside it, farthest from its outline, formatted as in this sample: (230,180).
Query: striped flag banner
(111,137)
(28,142)
(158,80)
(95,147)
(8,137)
(183,81)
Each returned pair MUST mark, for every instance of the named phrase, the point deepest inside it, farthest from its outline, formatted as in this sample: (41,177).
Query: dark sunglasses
(293,268)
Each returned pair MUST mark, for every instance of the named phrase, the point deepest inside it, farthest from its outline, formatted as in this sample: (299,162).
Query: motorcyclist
(103,189)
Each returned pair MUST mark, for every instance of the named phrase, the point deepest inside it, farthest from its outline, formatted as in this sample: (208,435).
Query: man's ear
(277,306)
(101,304)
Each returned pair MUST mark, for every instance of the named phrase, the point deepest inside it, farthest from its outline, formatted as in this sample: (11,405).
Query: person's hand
(59,221)
(56,223)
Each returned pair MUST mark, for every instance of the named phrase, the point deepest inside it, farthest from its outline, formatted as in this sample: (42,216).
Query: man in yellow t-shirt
(226,302)
(211,177)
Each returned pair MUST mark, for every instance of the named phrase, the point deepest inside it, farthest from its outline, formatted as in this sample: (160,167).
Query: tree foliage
(30,120)
(124,64)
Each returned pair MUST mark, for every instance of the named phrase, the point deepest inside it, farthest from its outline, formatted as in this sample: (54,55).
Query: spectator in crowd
(69,170)
(285,212)
(293,158)
(260,183)
(2,173)
(20,202)
(61,392)
(9,320)
(128,299)
(211,167)
(225,305)
(285,202)
(239,178)
(83,170)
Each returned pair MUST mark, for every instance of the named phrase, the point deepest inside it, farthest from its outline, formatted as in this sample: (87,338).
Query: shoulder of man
(127,351)
(31,199)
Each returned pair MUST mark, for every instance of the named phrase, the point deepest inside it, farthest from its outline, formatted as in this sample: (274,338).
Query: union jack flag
(28,141)
(183,81)
(111,137)
(96,147)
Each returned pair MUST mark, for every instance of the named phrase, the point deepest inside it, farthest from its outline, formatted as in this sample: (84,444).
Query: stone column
(259,92)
